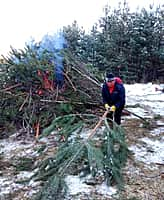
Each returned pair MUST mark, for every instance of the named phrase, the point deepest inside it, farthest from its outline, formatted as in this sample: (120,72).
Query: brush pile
(30,97)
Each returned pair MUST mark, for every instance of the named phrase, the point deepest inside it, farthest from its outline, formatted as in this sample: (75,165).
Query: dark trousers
(117,115)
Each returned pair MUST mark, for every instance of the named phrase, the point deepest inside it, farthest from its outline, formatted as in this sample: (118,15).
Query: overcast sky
(22,19)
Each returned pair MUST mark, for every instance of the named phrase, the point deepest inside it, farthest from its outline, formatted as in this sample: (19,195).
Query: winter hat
(110,77)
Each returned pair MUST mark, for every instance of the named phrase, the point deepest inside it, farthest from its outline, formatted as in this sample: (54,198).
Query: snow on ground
(81,187)
(152,103)
(19,148)
(152,152)
(78,186)
(150,100)
(158,131)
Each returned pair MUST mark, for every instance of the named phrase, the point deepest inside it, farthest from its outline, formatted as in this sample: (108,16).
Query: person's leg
(117,116)
(110,118)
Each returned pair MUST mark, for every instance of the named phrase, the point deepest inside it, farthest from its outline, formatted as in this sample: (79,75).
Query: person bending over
(113,94)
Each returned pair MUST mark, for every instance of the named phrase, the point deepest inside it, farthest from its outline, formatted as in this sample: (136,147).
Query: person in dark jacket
(113,94)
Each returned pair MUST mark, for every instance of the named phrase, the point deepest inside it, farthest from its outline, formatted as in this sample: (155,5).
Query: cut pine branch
(11,87)
(137,115)
(92,133)
(69,80)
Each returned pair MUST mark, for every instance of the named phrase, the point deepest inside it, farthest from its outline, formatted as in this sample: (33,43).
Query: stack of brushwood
(30,100)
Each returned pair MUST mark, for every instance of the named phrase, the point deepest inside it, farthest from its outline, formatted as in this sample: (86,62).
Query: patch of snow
(24,174)
(10,147)
(105,190)
(153,152)
(160,123)
(147,96)
(7,186)
(77,186)
(157,131)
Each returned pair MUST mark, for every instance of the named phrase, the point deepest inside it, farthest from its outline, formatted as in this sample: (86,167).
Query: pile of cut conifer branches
(31,100)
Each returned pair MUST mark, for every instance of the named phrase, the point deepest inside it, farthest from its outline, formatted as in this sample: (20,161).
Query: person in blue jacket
(113,94)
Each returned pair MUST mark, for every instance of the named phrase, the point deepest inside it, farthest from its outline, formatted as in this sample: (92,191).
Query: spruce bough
(105,153)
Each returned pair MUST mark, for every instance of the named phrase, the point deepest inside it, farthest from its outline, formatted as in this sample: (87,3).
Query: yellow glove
(113,108)
(107,106)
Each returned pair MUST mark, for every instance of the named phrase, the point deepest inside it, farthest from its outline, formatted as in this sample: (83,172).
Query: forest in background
(130,44)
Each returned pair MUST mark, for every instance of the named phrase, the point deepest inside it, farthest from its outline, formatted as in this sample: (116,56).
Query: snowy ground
(150,100)
(146,145)
(145,168)
(151,104)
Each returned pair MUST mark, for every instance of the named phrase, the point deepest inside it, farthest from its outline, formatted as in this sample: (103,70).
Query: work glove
(107,106)
(113,108)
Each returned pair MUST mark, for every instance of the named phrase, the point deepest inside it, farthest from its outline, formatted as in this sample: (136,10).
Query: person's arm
(121,101)
(104,95)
